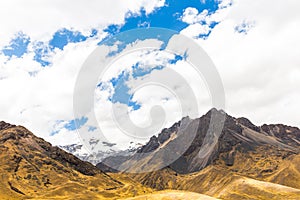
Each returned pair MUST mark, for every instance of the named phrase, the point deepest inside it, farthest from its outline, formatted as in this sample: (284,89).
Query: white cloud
(40,19)
(200,23)
(195,30)
(259,69)
(191,15)
(40,100)
(160,88)
(37,102)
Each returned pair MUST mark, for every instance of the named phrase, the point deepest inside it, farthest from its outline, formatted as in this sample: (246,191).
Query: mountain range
(82,153)
(242,161)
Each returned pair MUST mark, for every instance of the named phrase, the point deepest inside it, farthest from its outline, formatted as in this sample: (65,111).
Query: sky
(253,44)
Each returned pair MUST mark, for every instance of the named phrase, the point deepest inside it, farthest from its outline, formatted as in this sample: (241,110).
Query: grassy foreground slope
(172,195)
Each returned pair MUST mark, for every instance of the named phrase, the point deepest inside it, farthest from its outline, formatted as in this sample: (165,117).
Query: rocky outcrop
(150,146)
(246,122)
(288,134)
(4,125)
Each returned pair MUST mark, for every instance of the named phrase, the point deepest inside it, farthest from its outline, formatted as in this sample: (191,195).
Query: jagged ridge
(239,135)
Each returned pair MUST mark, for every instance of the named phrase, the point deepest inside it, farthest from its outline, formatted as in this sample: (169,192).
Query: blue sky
(17,46)
(165,17)
(168,16)
(122,92)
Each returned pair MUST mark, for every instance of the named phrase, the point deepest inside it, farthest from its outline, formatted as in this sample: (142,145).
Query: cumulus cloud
(192,15)
(259,69)
(40,98)
(201,24)
(37,101)
(40,19)
(156,88)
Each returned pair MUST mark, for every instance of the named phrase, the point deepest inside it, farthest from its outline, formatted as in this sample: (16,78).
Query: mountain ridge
(238,134)
(246,161)
(261,162)
(31,168)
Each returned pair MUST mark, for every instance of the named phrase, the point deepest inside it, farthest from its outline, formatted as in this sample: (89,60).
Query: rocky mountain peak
(247,123)
(156,141)
(4,125)
(237,135)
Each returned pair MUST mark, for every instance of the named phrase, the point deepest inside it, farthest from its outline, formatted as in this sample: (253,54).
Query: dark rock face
(155,142)
(289,135)
(246,122)
(4,125)
(115,159)
(164,136)
(150,146)
(237,135)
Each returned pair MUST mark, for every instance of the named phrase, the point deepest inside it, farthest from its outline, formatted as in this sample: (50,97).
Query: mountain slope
(32,168)
(80,152)
(245,162)
(172,195)
(239,137)
(218,182)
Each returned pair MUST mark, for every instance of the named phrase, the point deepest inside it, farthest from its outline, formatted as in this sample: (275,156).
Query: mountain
(32,168)
(245,161)
(238,137)
(80,152)
(220,182)
(242,161)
